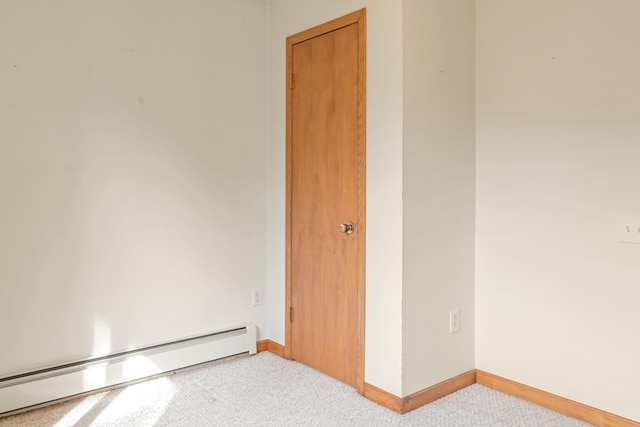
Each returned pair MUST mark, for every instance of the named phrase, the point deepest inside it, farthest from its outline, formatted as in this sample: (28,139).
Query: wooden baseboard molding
(416,400)
(420,398)
(553,402)
(383,398)
(270,346)
(435,392)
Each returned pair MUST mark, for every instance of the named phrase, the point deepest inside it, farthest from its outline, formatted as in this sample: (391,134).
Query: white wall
(132,173)
(132,142)
(384,174)
(438,189)
(558,110)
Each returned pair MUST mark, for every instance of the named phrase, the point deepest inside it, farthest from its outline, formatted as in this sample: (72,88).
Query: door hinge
(290,314)
(292,81)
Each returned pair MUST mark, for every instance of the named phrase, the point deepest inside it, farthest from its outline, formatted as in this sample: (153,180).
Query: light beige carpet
(265,390)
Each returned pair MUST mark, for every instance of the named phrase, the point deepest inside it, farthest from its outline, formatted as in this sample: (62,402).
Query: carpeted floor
(265,390)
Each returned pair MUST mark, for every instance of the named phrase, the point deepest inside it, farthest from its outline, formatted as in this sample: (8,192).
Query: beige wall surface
(558,113)
(438,189)
(142,183)
(132,174)
(384,173)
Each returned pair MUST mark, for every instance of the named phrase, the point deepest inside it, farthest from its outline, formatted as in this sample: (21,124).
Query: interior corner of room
(142,185)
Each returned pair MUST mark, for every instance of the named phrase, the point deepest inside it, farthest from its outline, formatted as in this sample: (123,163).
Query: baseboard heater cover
(58,382)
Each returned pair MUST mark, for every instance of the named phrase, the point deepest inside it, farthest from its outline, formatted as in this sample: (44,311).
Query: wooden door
(325,163)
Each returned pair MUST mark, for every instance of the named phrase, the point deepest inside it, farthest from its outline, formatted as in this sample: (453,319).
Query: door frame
(358,17)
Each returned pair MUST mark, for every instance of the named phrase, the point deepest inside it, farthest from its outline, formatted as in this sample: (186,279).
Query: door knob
(347,228)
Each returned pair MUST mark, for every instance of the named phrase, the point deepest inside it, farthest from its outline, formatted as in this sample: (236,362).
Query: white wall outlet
(256,296)
(628,229)
(454,320)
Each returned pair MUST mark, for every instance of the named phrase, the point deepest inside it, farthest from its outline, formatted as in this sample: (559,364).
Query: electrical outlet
(454,320)
(256,296)
(628,229)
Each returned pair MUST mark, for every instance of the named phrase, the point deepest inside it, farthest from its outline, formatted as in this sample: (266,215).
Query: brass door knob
(347,228)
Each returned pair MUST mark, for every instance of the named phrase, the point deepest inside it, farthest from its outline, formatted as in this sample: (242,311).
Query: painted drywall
(558,121)
(438,190)
(384,173)
(132,174)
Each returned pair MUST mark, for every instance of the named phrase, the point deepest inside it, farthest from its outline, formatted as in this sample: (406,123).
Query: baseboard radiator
(32,389)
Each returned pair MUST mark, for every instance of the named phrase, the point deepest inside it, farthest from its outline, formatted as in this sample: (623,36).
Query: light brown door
(326,177)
